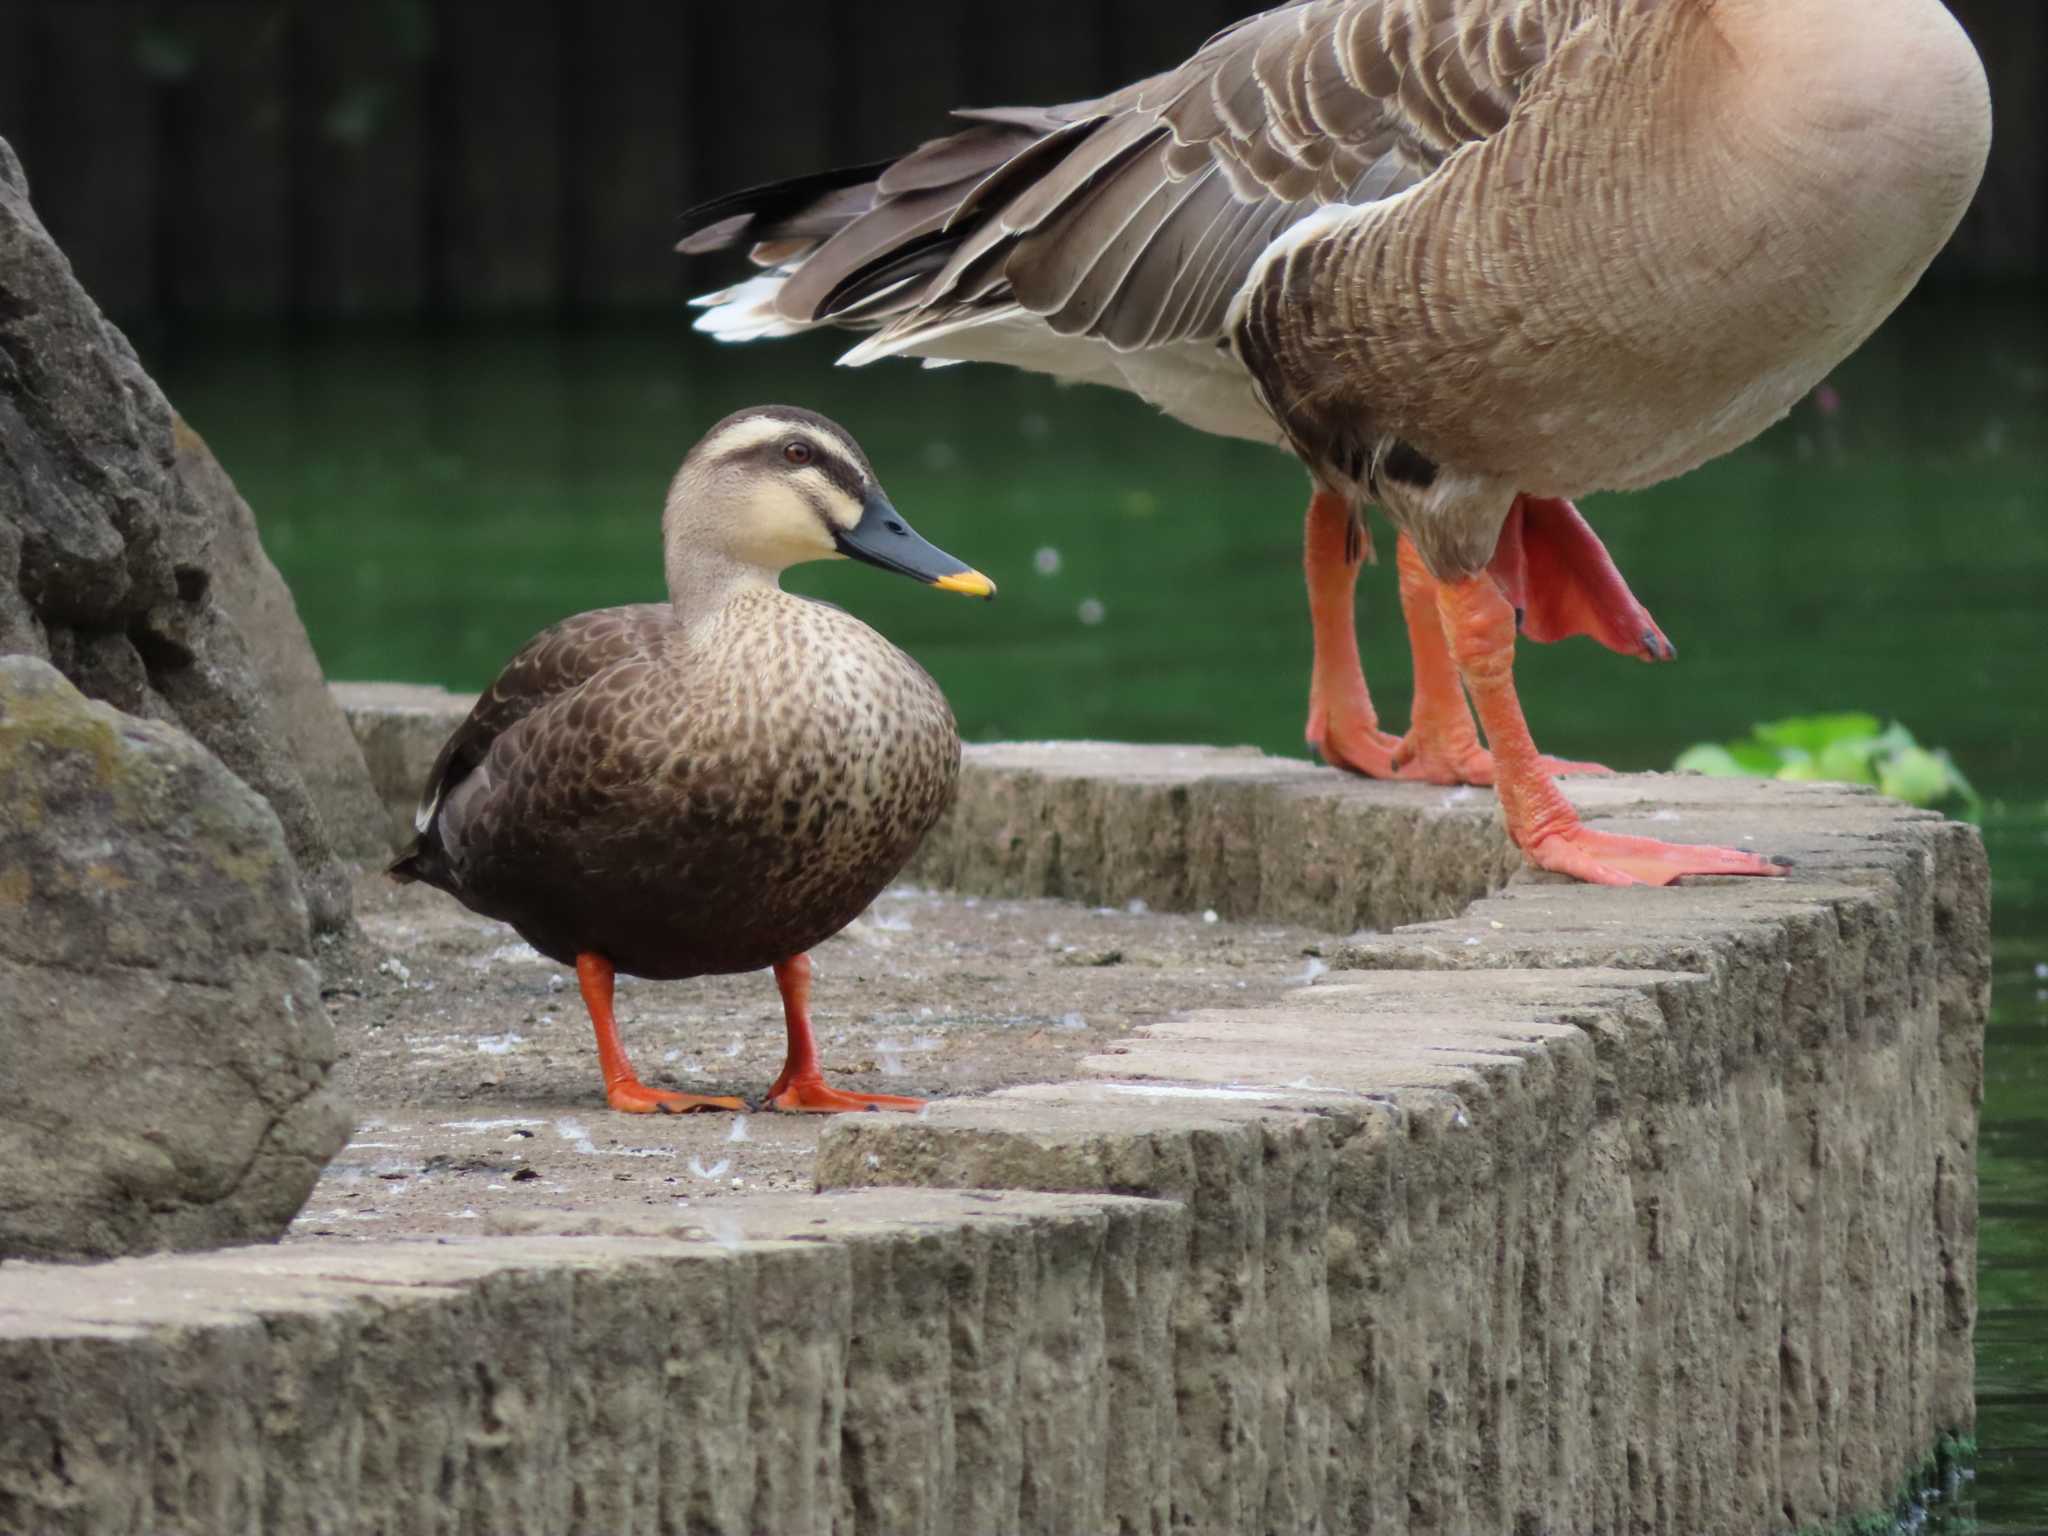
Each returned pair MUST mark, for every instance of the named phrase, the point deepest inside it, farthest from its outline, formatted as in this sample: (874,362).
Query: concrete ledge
(1580,1210)
(1559,1209)
(889,1362)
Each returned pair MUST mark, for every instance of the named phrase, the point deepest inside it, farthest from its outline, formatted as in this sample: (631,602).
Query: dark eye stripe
(829,457)
(842,473)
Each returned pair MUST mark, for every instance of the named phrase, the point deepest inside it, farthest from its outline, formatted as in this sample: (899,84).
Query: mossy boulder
(164,1051)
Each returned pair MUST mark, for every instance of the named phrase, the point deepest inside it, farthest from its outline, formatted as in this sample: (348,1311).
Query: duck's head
(776,485)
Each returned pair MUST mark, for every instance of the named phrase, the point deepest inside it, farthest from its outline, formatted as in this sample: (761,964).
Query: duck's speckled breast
(724,804)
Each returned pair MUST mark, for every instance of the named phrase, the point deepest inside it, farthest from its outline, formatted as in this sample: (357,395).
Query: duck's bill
(883,538)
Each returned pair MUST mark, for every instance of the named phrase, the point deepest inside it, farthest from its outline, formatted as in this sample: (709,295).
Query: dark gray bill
(883,538)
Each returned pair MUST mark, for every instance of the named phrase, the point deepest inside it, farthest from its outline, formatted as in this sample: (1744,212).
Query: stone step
(1557,1208)
(903,1361)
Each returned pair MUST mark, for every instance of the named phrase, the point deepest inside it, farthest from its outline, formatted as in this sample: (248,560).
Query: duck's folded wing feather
(551,664)
(1136,218)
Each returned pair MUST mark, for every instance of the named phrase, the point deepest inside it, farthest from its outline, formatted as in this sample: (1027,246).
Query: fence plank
(2005,234)
(454,155)
(17,69)
(495,113)
(903,71)
(226,241)
(359,156)
(92,110)
(764,83)
(627,166)
(1034,55)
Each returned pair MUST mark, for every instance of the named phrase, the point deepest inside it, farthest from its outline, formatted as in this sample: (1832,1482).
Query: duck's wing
(1135,218)
(553,663)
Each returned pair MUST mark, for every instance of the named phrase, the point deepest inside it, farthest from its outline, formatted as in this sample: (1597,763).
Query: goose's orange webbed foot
(1343,726)
(1479,623)
(801,1088)
(622,1089)
(1610,858)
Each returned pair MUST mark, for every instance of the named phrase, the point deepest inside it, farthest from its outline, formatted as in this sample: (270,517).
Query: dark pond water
(435,497)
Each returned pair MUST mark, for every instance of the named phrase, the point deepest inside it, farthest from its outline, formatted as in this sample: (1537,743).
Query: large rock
(123,561)
(163,1048)
(315,733)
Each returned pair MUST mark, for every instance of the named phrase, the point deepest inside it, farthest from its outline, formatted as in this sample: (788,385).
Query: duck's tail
(423,862)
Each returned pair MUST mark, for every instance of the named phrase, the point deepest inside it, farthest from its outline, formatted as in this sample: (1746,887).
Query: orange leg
(802,1086)
(1480,625)
(1442,745)
(1342,724)
(622,1090)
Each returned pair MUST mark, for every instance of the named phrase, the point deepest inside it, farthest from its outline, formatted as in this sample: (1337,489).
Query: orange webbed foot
(800,1088)
(1427,760)
(815,1096)
(1610,858)
(636,1098)
(1355,747)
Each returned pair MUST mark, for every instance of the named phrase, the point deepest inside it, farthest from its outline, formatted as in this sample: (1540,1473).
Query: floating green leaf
(1814,734)
(1847,747)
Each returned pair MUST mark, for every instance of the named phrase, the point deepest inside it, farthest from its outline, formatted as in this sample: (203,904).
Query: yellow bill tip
(971,583)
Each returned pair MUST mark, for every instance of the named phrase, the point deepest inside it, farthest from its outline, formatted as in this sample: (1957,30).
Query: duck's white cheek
(783,528)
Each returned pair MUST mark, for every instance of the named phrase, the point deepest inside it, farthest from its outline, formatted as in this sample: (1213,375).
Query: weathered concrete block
(1188,828)
(163,1047)
(1579,1210)
(1560,1209)
(915,1363)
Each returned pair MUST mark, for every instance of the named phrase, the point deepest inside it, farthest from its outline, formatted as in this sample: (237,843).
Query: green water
(435,497)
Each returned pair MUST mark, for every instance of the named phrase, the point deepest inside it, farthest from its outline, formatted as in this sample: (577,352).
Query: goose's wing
(1136,218)
(551,664)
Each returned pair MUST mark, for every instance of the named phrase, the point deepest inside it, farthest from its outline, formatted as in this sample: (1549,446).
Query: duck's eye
(798,452)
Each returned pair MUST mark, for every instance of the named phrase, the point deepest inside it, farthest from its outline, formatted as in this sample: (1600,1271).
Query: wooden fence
(308,157)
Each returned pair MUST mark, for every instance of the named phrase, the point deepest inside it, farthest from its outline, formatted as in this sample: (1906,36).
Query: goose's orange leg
(1342,724)
(1442,744)
(1480,625)
(622,1090)
(802,1086)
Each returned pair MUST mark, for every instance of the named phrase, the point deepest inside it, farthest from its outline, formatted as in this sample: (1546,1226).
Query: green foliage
(1848,748)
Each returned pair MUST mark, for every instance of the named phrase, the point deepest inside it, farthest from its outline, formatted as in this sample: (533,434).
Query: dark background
(443,157)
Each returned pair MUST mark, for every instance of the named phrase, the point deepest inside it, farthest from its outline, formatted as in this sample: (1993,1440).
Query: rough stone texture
(316,733)
(163,1048)
(919,1365)
(1564,1209)
(1581,1210)
(1227,829)
(118,564)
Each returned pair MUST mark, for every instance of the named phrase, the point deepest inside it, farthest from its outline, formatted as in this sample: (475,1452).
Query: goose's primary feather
(1133,223)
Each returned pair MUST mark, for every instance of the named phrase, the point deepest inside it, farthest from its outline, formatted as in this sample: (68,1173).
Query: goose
(1468,260)
(717,783)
